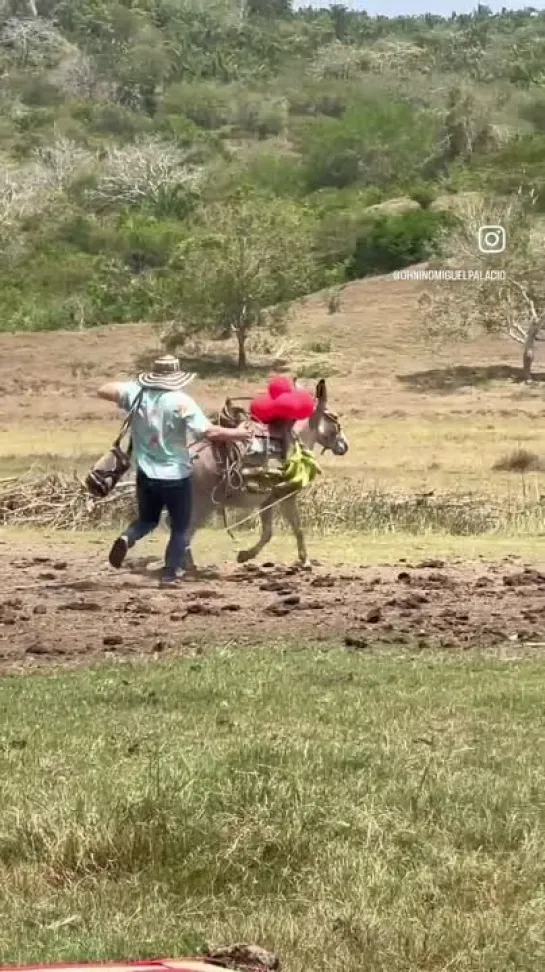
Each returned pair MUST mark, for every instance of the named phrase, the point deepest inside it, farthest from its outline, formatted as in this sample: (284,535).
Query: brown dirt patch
(378,317)
(63,607)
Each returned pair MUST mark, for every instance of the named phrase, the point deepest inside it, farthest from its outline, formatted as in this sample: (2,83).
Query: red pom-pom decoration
(278,385)
(304,404)
(262,409)
(294,406)
(290,406)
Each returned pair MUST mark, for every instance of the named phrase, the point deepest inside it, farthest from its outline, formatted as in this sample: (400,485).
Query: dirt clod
(459,607)
(279,587)
(526,578)
(199,608)
(88,606)
(323,582)
(412,601)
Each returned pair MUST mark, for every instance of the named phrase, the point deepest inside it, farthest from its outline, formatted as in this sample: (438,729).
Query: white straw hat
(166,375)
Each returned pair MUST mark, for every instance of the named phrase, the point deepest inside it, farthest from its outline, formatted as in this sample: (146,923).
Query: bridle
(325,413)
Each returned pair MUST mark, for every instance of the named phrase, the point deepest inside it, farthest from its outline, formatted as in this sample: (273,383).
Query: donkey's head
(324,427)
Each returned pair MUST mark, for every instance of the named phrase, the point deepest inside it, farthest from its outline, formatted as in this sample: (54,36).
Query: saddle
(255,466)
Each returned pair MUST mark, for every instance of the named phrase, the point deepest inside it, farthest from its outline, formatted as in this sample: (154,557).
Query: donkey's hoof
(243,557)
(305,565)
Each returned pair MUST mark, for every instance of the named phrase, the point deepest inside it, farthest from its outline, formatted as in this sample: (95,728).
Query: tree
(502,292)
(243,258)
(268,8)
(466,127)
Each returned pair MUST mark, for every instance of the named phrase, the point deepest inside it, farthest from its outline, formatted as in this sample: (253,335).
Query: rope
(263,509)
(231,475)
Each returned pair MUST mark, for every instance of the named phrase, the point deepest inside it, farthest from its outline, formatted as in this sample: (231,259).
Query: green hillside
(139,136)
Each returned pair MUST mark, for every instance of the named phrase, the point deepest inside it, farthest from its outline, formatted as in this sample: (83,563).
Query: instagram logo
(491,239)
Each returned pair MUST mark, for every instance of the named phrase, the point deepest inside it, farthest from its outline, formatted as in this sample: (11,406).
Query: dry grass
(417,419)
(345,811)
(61,502)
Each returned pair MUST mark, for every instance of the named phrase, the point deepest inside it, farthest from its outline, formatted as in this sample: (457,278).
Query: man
(163,419)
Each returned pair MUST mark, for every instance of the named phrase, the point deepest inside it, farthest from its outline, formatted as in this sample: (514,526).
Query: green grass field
(352,812)
(349,812)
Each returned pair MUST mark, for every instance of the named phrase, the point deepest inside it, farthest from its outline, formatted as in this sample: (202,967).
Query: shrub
(336,236)
(423,194)
(377,144)
(255,114)
(392,242)
(318,100)
(519,461)
(112,119)
(533,111)
(517,163)
(148,243)
(281,175)
(149,173)
(85,233)
(178,128)
(37,92)
(208,105)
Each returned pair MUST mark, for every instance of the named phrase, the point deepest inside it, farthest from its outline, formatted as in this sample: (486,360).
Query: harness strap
(128,422)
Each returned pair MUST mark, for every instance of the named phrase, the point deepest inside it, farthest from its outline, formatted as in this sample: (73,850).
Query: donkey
(322,429)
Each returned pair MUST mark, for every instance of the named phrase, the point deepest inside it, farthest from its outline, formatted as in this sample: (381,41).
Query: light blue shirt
(162,429)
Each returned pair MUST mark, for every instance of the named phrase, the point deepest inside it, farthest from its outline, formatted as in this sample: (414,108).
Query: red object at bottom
(152,965)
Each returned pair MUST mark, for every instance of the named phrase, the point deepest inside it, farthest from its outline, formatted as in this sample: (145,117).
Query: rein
(229,465)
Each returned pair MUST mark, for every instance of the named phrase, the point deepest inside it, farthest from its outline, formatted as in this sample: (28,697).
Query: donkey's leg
(266,517)
(290,511)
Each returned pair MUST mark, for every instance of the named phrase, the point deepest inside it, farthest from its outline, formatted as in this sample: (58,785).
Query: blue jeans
(153,496)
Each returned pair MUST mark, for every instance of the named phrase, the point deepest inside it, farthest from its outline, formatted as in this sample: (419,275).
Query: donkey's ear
(321,392)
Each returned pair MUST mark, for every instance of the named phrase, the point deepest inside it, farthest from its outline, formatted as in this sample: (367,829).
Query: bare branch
(517,329)
(515,305)
(32,41)
(142,171)
(525,296)
(30,189)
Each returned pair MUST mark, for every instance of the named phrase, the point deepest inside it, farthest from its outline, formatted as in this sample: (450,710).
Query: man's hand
(242,434)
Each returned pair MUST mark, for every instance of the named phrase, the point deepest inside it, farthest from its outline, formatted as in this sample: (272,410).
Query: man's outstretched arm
(201,428)
(112,391)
